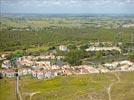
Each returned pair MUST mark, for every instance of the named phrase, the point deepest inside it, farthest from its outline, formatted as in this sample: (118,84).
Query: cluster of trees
(74,57)
(131,56)
(78,56)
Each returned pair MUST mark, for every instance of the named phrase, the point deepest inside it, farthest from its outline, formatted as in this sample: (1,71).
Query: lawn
(7,90)
(74,87)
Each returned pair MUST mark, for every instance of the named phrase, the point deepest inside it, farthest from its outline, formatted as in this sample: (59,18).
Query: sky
(68,6)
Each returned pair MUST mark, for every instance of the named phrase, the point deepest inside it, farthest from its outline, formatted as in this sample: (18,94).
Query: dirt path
(111,85)
(31,94)
(19,96)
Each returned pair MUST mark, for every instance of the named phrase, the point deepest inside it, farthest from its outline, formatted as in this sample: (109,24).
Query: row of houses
(103,49)
(10,73)
(46,70)
(85,69)
(120,65)
(128,25)
(41,74)
(101,43)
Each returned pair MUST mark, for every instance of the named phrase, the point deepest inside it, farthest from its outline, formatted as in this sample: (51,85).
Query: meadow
(74,87)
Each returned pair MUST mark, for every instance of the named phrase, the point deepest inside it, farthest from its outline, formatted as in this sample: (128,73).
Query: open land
(74,87)
(67,58)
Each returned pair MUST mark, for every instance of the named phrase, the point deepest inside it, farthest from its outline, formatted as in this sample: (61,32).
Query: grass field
(75,87)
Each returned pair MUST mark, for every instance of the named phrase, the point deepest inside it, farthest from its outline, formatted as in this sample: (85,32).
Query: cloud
(67,2)
(66,5)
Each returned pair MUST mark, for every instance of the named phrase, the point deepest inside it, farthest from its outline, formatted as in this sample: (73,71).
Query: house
(51,56)
(55,67)
(103,49)
(24,63)
(40,74)
(4,56)
(119,65)
(63,48)
(29,71)
(60,57)
(24,71)
(103,70)
(83,71)
(3,73)
(126,62)
(67,71)
(43,63)
(55,72)
(110,65)
(44,57)
(34,67)
(6,64)
(123,68)
(131,68)
(92,70)
(76,70)
(34,74)
(128,25)
(48,74)
(10,73)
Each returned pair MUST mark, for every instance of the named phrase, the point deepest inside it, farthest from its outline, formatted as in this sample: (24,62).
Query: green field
(75,87)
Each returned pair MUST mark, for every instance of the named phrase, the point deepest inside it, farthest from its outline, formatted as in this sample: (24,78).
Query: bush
(131,57)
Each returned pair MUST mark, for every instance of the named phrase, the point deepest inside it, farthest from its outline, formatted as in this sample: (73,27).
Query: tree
(72,46)
(131,57)
(99,55)
(83,47)
(52,48)
(74,57)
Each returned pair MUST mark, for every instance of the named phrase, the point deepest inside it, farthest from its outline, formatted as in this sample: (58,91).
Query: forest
(14,40)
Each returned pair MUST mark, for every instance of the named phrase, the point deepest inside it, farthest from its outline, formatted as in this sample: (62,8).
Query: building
(10,73)
(34,74)
(6,64)
(25,71)
(40,74)
(103,49)
(63,48)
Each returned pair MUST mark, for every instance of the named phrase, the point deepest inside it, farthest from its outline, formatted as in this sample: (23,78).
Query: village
(50,65)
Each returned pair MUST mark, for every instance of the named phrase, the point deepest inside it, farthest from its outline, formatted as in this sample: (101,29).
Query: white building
(10,73)
(63,48)
(6,64)
(40,74)
(103,49)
